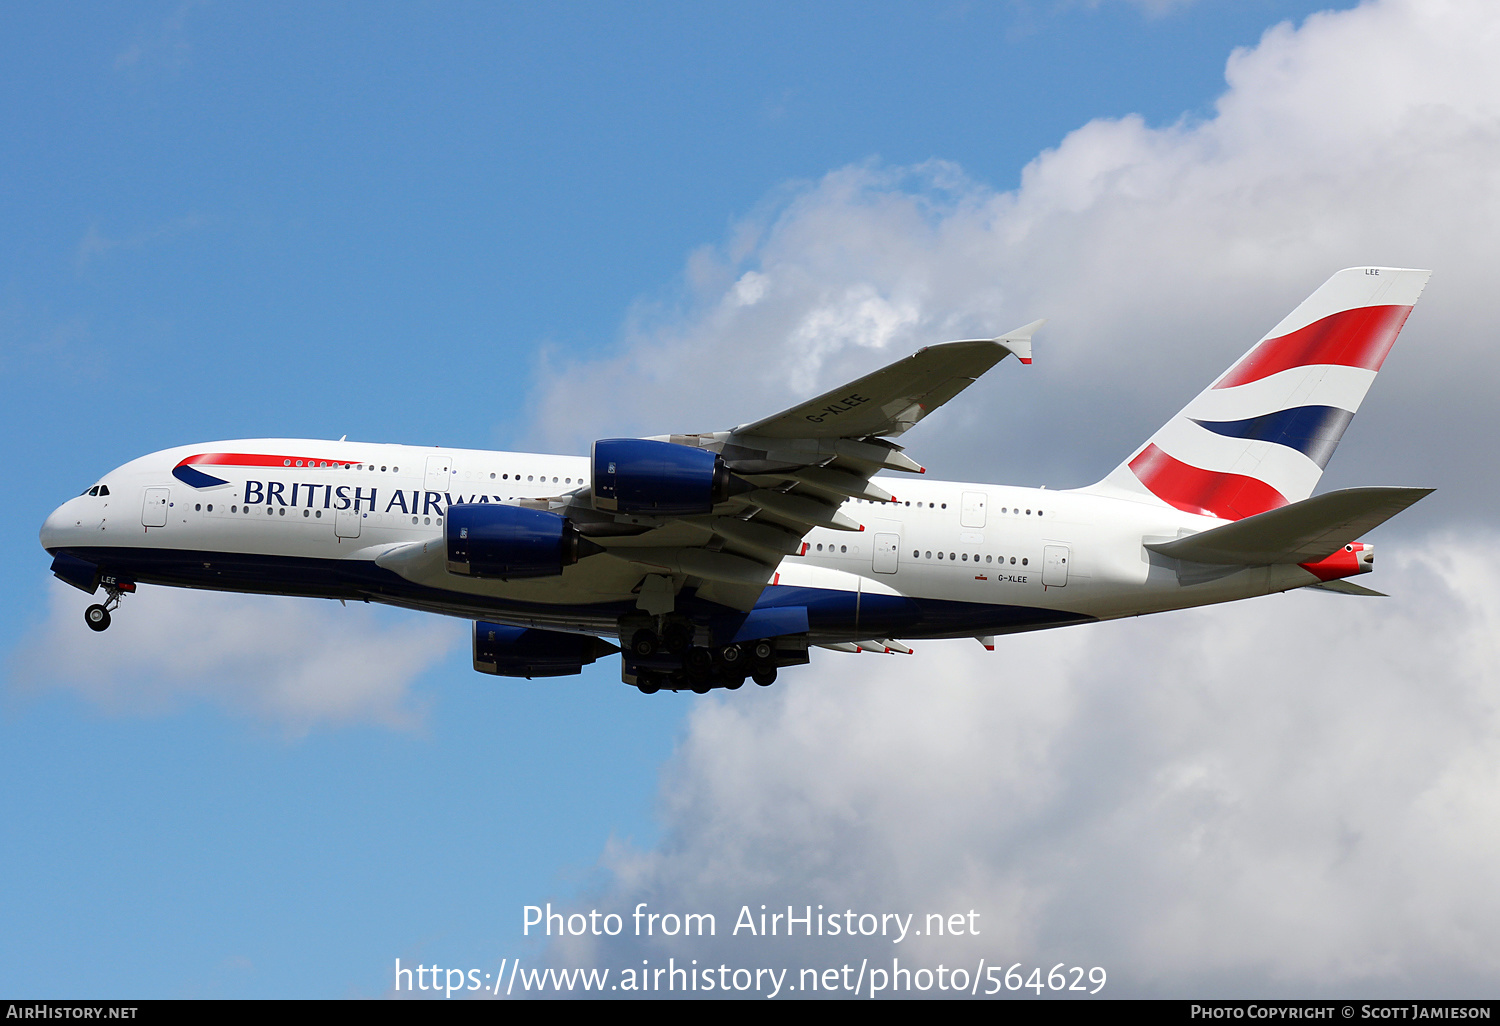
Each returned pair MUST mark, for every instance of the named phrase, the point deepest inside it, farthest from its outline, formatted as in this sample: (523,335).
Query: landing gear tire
(702,687)
(97,617)
(699,662)
(762,651)
(644,643)
(648,687)
(676,637)
(765,678)
(735,683)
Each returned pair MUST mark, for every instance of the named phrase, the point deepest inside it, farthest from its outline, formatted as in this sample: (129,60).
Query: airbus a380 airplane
(717,557)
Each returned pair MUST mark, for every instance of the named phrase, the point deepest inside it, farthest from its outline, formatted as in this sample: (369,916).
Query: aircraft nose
(56,528)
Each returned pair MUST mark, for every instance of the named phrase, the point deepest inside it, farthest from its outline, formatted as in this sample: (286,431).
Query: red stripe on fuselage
(245,459)
(1351,338)
(1208,493)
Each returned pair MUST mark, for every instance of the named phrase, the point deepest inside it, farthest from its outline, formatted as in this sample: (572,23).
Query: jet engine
(528,652)
(638,475)
(510,542)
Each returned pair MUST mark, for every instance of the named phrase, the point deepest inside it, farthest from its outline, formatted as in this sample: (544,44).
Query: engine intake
(509,542)
(507,651)
(638,475)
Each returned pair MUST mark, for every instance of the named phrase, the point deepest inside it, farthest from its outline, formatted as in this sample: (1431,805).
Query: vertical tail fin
(1259,437)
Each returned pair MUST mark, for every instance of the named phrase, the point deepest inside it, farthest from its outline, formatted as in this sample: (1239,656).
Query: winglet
(1019,341)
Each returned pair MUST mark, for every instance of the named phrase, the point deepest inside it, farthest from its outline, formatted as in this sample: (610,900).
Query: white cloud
(293,663)
(1292,795)
(1159,253)
(95,245)
(162,45)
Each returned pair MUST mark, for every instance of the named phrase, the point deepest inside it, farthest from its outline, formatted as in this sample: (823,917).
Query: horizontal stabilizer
(1303,532)
(1348,588)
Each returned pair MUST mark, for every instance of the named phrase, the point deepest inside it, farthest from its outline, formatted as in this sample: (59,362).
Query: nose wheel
(97,615)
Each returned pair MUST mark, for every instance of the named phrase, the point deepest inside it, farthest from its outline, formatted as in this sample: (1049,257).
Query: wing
(790,472)
(892,400)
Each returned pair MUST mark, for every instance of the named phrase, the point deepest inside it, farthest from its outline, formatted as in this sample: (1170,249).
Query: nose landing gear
(97,615)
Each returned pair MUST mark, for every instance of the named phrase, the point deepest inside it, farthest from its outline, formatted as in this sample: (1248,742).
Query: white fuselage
(977,553)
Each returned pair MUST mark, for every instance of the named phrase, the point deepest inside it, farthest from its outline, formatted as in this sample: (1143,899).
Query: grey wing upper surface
(793,471)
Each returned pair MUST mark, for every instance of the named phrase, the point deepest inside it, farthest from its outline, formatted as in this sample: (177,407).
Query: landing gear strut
(97,615)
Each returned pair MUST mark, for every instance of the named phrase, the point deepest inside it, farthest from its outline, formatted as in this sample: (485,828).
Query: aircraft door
(439,473)
(154,509)
(972,513)
(1055,565)
(346,523)
(886,548)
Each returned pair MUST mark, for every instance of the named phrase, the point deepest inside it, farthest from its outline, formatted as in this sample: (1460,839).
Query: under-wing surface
(708,559)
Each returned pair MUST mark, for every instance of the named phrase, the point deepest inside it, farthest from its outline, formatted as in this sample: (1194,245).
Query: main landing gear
(97,615)
(670,661)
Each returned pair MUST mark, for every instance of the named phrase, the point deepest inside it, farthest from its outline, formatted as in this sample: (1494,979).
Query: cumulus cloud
(1289,795)
(293,663)
(1160,253)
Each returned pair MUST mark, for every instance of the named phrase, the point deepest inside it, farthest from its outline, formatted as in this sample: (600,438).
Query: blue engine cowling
(638,475)
(509,542)
(528,652)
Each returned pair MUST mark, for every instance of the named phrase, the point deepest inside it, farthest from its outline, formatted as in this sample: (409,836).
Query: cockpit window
(94,490)
(104,489)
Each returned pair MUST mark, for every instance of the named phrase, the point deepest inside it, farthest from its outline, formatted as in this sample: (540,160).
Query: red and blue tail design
(1259,437)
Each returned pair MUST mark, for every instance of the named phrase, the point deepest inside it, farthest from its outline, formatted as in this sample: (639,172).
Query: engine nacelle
(509,542)
(528,652)
(638,475)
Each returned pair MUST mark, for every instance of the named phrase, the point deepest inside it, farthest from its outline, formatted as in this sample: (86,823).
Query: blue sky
(454,224)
